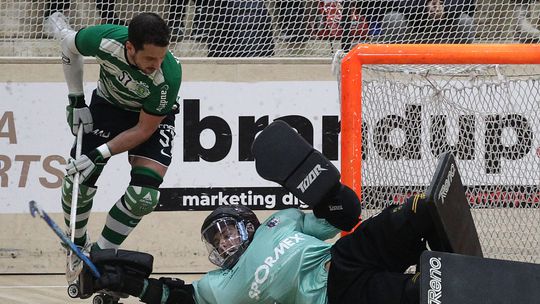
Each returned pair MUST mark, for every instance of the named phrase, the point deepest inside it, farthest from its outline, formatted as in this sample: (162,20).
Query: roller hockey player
(133,109)
(285,259)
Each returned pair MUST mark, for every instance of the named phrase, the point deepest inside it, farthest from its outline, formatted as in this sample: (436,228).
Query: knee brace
(142,194)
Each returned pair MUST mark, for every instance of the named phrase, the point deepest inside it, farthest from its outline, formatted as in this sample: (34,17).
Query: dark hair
(148,28)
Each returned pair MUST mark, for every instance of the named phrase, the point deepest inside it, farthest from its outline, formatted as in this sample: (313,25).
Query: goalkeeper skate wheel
(73,291)
(104,299)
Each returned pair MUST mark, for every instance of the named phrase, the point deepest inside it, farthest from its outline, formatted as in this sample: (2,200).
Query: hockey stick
(35,209)
(75,191)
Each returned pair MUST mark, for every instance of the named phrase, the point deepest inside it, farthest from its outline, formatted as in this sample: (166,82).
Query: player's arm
(72,62)
(130,138)
(318,227)
(95,160)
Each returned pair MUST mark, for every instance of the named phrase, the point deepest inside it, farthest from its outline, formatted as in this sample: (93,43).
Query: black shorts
(368,265)
(109,121)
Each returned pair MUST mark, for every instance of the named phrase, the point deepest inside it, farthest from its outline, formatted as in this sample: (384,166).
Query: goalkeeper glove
(89,164)
(77,113)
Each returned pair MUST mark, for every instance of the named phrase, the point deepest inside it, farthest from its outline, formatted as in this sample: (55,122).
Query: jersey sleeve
(203,290)
(88,39)
(318,228)
(308,224)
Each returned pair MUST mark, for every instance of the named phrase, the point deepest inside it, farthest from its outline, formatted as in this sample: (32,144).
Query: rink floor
(48,289)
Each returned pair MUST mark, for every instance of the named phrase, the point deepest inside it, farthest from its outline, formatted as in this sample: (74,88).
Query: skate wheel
(98,299)
(73,291)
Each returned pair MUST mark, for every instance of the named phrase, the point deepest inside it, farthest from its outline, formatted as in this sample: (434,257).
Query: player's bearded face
(148,59)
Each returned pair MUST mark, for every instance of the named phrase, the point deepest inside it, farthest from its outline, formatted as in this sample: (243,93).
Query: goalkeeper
(133,109)
(285,259)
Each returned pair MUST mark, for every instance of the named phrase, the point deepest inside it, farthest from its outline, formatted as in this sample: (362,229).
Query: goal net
(404,105)
(282,28)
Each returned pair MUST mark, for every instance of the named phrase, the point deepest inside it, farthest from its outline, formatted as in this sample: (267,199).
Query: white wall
(35,141)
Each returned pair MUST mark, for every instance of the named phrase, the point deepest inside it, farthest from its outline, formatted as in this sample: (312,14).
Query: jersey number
(125,78)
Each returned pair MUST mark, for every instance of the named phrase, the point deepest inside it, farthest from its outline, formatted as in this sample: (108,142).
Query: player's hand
(78,113)
(87,164)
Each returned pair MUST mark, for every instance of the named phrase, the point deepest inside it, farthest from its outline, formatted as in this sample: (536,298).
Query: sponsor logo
(273,222)
(507,136)
(410,136)
(101,133)
(446,186)
(435,281)
(163,98)
(310,178)
(335,207)
(262,273)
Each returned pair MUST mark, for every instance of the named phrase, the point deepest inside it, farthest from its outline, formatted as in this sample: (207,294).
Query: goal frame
(351,83)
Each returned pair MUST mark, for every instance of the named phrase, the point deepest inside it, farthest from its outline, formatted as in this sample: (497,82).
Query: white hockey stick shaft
(75,189)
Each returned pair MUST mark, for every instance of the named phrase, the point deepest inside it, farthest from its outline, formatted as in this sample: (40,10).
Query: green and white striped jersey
(284,264)
(123,84)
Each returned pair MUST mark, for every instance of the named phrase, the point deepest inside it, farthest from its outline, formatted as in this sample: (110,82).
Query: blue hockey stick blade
(35,210)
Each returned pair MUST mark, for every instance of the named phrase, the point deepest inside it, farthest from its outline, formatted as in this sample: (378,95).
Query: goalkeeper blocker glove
(77,113)
(89,164)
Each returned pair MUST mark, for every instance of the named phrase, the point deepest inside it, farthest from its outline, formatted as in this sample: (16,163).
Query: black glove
(116,278)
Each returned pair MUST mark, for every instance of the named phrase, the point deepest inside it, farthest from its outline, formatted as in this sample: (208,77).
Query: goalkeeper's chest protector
(281,265)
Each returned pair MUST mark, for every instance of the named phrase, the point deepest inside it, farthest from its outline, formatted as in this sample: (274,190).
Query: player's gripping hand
(77,113)
(89,164)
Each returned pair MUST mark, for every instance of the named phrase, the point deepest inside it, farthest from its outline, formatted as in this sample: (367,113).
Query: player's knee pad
(342,208)
(86,193)
(142,195)
(141,200)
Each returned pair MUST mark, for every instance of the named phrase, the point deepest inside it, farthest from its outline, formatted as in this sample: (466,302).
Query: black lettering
(410,125)
(330,137)
(496,150)
(193,127)
(464,149)
(249,128)
(302,125)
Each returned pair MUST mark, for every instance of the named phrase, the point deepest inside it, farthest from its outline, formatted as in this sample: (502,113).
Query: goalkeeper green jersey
(123,84)
(284,264)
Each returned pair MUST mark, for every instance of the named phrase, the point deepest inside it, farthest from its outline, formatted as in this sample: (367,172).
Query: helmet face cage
(225,238)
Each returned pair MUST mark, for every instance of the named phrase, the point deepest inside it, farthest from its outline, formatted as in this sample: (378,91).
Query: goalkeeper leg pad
(450,210)
(464,279)
(283,156)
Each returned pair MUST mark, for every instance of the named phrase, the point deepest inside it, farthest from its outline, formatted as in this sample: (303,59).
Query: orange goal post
(403,105)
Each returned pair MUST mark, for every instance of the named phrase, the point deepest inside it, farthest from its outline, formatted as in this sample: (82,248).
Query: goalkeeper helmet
(227,232)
